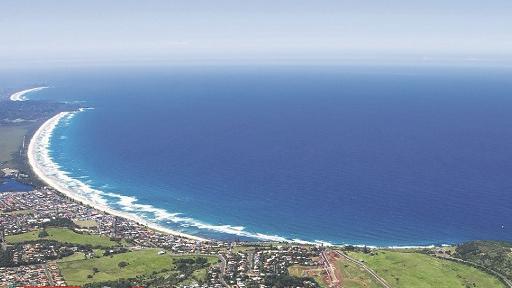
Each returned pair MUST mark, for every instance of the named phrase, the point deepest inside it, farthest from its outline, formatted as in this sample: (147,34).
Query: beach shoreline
(39,144)
(41,138)
(20,95)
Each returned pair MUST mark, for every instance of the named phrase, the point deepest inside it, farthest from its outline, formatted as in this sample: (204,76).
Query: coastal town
(44,233)
(35,261)
(46,236)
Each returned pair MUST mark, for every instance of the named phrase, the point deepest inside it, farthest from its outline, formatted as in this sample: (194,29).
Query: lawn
(354,276)
(75,256)
(140,262)
(63,235)
(409,269)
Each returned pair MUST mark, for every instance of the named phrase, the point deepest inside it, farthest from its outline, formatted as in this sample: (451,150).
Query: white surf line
(47,170)
(20,95)
(40,161)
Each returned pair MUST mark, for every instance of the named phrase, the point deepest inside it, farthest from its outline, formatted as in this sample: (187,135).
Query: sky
(52,31)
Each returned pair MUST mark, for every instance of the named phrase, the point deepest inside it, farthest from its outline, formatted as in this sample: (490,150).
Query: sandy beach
(40,160)
(20,95)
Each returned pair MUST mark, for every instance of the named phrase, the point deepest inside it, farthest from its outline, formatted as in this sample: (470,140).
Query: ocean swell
(127,206)
(50,172)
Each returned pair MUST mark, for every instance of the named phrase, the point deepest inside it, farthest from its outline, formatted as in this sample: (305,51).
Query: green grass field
(408,269)
(11,138)
(74,257)
(63,235)
(354,276)
(141,262)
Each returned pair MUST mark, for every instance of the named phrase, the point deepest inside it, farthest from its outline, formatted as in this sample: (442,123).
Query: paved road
(361,264)
(335,282)
(223,265)
(250,258)
(48,274)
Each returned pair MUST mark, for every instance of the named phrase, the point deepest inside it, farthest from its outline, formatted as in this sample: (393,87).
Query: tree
(42,234)
(122,264)
(201,261)
(6,258)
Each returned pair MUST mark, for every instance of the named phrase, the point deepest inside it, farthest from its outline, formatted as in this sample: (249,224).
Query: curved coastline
(20,95)
(38,151)
(48,171)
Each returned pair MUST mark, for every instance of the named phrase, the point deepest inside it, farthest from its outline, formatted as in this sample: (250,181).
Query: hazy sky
(295,30)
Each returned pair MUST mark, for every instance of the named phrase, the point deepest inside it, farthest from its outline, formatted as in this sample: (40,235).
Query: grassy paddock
(63,235)
(140,262)
(354,276)
(409,269)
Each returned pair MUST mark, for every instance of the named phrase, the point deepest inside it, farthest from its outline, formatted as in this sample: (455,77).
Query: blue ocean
(385,156)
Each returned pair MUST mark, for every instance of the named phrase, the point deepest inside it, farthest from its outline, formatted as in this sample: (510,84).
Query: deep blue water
(381,156)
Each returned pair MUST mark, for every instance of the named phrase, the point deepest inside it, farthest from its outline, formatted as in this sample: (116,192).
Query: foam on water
(78,189)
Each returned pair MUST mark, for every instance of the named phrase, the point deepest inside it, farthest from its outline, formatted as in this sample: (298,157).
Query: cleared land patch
(86,223)
(315,272)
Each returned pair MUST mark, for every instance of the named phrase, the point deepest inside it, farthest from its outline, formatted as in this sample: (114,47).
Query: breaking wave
(126,206)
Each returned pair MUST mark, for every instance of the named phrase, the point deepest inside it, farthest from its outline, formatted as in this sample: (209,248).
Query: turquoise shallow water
(381,156)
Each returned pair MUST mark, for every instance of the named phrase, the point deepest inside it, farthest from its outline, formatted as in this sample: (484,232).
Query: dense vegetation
(185,269)
(60,222)
(113,284)
(31,110)
(285,281)
(6,257)
(494,255)
(188,265)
